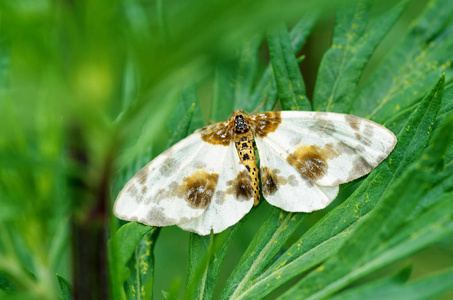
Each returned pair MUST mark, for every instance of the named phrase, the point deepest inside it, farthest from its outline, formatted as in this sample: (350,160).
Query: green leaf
(429,287)
(188,98)
(408,70)
(129,235)
(289,82)
(268,241)
(245,74)
(182,130)
(206,254)
(233,82)
(375,289)
(266,88)
(65,288)
(327,235)
(353,44)
(223,99)
(141,266)
(6,285)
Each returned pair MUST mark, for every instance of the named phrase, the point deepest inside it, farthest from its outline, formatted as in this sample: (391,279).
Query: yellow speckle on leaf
(321,268)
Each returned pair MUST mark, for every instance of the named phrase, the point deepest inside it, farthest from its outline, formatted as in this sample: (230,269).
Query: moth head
(241,123)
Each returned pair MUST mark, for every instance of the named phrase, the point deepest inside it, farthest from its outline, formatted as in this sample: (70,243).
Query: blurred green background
(87,86)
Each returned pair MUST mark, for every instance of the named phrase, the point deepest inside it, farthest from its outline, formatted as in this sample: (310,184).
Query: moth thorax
(240,125)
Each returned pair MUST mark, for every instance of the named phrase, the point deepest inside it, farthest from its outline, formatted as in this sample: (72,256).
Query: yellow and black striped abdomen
(246,152)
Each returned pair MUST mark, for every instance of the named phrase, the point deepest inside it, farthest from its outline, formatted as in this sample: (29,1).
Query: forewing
(176,187)
(311,153)
(232,200)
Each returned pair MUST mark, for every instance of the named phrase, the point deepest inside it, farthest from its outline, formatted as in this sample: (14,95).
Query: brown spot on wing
(167,167)
(360,167)
(369,131)
(324,126)
(142,175)
(241,186)
(220,197)
(266,122)
(358,136)
(157,217)
(271,182)
(353,121)
(268,181)
(217,134)
(345,148)
(198,188)
(132,190)
(311,161)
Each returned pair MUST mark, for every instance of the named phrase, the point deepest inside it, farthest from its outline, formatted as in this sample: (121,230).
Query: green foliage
(91,91)
(352,46)
(65,287)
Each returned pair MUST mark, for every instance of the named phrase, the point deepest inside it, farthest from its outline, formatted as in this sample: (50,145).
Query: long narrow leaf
(406,74)
(352,46)
(268,241)
(290,85)
(394,288)
(266,88)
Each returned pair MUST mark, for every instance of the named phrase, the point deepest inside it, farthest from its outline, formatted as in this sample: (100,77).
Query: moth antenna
(259,107)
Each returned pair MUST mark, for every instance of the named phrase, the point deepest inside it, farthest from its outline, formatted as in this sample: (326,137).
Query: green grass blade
(233,82)
(353,44)
(266,88)
(268,241)
(129,235)
(206,254)
(182,130)
(188,98)
(289,82)
(65,288)
(223,98)
(141,266)
(326,236)
(429,287)
(245,75)
(408,70)
(375,289)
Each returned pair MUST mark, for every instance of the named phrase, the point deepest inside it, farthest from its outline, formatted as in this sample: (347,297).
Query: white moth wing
(232,200)
(283,186)
(175,187)
(314,152)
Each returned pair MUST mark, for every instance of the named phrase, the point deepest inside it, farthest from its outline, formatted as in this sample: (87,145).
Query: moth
(209,180)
